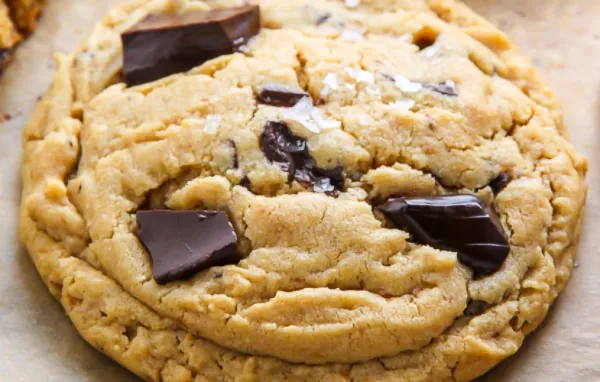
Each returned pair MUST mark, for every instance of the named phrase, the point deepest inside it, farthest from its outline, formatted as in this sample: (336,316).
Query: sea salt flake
(331,83)
(407,37)
(374,91)
(404,104)
(212,124)
(352,3)
(322,121)
(360,75)
(430,51)
(310,118)
(364,120)
(351,35)
(406,85)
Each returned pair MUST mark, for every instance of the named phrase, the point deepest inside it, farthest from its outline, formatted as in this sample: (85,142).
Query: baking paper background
(37,340)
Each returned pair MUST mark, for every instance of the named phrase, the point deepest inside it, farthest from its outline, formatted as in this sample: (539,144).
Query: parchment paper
(37,340)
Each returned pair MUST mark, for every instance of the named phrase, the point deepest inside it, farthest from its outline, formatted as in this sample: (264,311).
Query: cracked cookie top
(329,111)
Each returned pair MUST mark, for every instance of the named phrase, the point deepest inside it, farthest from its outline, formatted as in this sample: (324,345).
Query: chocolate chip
(278,143)
(291,154)
(182,243)
(323,19)
(279,95)
(475,307)
(500,182)
(245,182)
(165,44)
(446,88)
(460,223)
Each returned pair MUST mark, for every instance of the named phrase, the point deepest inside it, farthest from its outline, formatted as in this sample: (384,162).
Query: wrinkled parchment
(37,340)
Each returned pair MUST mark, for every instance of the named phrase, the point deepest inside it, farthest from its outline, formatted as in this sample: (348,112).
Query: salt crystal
(322,121)
(360,75)
(430,51)
(364,120)
(212,124)
(310,118)
(406,85)
(351,35)
(404,104)
(331,83)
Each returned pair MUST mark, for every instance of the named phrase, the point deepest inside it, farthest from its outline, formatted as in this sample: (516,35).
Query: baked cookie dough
(319,148)
(17,18)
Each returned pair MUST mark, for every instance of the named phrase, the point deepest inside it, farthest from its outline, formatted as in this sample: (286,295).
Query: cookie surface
(327,290)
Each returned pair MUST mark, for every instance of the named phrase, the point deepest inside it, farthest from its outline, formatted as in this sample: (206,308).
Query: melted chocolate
(291,154)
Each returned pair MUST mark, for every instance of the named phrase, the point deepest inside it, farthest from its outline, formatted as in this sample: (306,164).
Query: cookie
(17,18)
(309,190)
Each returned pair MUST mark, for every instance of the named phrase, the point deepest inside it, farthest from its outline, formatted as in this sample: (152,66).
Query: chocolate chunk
(290,153)
(182,243)
(459,223)
(165,44)
(500,182)
(475,307)
(447,88)
(281,96)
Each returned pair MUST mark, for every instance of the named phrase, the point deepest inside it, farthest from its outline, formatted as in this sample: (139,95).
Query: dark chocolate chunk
(281,96)
(165,44)
(447,88)
(182,243)
(460,223)
(500,182)
(290,153)
(475,307)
